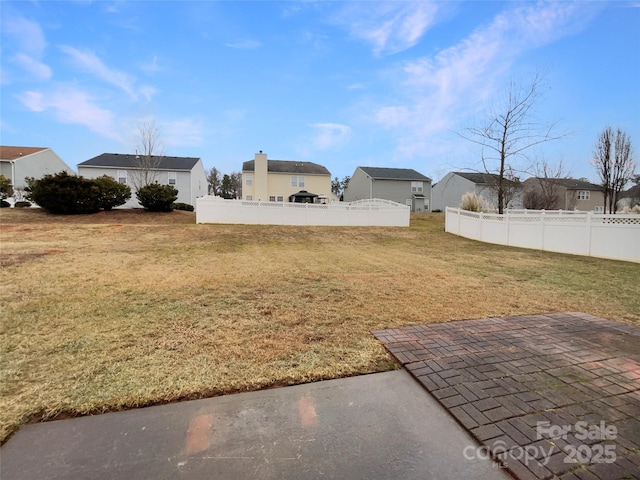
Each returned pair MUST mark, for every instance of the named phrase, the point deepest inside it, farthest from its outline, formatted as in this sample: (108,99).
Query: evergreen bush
(183,206)
(112,193)
(157,198)
(64,194)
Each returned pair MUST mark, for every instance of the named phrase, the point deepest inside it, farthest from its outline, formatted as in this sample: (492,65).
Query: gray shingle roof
(485,178)
(129,161)
(382,173)
(573,184)
(288,166)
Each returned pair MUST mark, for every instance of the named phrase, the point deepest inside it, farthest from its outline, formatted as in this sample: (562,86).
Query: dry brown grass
(128,308)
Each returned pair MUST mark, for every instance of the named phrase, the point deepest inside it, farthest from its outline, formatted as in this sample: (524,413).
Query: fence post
(589,232)
(542,217)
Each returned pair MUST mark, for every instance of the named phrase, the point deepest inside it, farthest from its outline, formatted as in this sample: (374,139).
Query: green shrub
(112,193)
(4,204)
(64,194)
(6,189)
(22,204)
(183,206)
(157,198)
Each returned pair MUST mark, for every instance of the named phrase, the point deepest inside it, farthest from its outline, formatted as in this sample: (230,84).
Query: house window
(297,181)
(272,198)
(248,177)
(416,187)
(408,202)
(249,197)
(583,194)
(598,209)
(122,176)
(172,178)
(280,198)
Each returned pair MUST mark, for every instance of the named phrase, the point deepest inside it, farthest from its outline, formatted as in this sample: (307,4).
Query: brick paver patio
(549,396)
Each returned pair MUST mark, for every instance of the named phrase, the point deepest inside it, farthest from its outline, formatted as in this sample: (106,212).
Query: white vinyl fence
(372,212)
(580,233)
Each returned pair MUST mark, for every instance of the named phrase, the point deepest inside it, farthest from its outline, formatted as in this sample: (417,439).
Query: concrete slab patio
(551,396)
(381,426)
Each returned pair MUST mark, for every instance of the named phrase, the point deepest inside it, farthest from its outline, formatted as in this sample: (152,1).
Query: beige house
(562,194)
(17,163)
(285,181)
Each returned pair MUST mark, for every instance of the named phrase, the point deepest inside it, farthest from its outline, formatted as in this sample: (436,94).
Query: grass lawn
(128,308)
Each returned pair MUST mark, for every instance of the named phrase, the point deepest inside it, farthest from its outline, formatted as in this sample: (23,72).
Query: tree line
(227,186)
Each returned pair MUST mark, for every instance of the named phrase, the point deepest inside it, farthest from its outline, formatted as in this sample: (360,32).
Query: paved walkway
(374,427)
(551,396)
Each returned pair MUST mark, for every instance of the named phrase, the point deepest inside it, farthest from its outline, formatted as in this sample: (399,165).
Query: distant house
(285,181)
(186,174)
(448,192)
(400,185)
(563,194)
(17,163)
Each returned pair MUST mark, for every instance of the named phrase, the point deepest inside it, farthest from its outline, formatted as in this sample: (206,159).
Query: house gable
(448,192)
(17,163)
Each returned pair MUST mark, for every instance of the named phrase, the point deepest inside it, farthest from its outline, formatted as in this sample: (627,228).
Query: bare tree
(214,180)
(623,166)
(149,154)
(511,130)
(545,194)
(614,164)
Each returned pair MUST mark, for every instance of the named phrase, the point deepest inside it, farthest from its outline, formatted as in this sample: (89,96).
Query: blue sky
(343,84)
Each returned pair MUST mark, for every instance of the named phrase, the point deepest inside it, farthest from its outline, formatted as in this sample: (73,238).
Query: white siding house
(17,163)
(186,174)
(400,185)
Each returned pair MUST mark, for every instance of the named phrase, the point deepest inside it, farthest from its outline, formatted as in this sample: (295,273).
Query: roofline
(120,167)
(37,150)
(291,173)
(396,178)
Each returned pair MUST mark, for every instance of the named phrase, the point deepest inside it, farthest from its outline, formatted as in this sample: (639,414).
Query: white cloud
(38,69)
(244,44)
(90,63)
(74,106)
(152,66)
(437,92)
(186,132)
(390,27)
(26,33)
(27,39)
(330,135)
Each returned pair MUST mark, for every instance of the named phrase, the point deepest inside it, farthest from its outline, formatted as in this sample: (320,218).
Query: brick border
(500,377)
